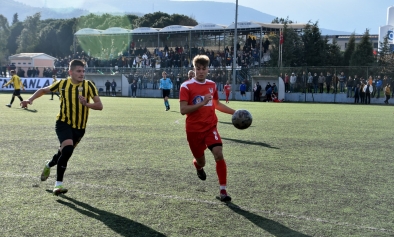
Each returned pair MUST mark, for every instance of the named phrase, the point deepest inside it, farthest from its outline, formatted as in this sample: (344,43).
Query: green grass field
(299,170)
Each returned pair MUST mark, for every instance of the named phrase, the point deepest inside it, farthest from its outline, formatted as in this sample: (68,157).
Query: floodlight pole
(235,50)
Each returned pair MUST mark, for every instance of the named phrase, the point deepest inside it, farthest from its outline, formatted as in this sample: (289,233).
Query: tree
(334,54)
(15,19)
(363,55)
(15,32)
(28,39)
(315,47)
(385,58)
(350,48)
(4,34)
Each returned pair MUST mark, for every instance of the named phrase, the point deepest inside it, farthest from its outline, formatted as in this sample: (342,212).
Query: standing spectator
(310,82)
(293,81)
(76,92)
(315,82)
(242,90)
(321,81)
(357,94)
(274,89)
(349,87)
(37,72)
(304,79)
(387,92)
(368,89)
(16,81)
(113,86)
(256,91)
(268,92)
(166,86)
(134,89)
(362,93)
(107,88)
(334,84)
(379,84)
(145,81)
(328,82)
(287,83)
(178,81)
(342,80)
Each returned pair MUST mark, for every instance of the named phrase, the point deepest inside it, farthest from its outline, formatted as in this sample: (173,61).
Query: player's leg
(197,147)
(214,144)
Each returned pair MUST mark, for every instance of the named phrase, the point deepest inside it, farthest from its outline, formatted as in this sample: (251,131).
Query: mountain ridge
(221,13)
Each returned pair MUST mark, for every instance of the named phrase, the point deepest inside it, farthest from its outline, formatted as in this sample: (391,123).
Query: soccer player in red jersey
(227,90)
(198,99)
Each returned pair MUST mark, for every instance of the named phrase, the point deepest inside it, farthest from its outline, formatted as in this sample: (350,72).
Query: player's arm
(96,105)
(222,107)
(185,108)
(6,84)
(40,92)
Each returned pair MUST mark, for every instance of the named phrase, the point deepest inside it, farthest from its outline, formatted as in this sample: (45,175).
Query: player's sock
(57,183)
(165,103)
(196,165)
(12,100)
(20,98)
(55,158)
(221,170)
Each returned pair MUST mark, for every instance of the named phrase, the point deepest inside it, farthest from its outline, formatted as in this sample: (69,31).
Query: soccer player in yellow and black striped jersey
(75,101)
(16,81)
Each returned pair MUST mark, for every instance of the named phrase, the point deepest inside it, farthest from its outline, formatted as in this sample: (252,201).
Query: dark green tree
(15,19)
(28,39)
(385,58)
(4,34)
(350,48)
(363,55)
(15,32)
(334,54)
(315,46)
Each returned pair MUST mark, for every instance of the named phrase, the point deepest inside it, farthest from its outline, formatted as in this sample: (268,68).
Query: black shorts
(17,92)
(64,132)
(166,93)
(242,92)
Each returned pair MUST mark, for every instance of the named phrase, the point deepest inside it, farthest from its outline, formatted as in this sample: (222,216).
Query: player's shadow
(229,123)
(30,110)
(250,143)
(119,224)
(272,227)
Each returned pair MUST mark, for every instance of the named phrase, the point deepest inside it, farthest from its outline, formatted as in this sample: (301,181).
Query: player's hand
(207,98)
(82,100)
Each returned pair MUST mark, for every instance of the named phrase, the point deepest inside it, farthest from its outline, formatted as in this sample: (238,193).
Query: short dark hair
(76,62)
(12,71)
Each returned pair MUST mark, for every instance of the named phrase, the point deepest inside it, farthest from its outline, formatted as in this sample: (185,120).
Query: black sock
(20,98)
(54,160)
(12,100)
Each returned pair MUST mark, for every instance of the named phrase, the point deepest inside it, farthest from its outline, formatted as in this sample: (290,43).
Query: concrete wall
(327,98)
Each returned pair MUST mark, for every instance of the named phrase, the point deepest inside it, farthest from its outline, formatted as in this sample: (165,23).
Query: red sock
(196,165)
(221,170)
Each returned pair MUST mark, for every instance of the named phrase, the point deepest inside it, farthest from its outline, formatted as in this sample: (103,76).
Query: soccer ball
(242,119)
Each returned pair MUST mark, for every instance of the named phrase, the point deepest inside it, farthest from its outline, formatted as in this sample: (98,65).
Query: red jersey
(227,89)
(193,92)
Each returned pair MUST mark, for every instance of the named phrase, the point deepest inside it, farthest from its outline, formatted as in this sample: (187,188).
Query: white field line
(159,195)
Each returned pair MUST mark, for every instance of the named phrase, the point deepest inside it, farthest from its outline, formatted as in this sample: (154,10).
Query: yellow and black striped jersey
(16,81)
(71,110)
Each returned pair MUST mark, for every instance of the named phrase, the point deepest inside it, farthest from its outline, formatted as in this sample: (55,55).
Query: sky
(342,15)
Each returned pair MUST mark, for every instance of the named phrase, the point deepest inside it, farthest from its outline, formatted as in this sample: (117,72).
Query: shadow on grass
(29,110)
(272,227)
(121,225)
(250,143)
(229,123)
